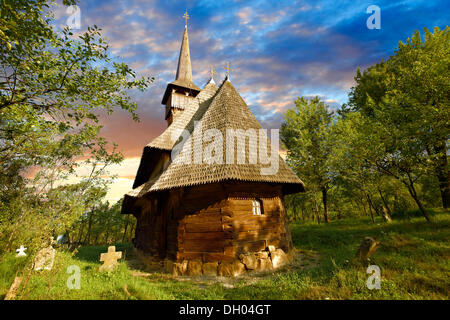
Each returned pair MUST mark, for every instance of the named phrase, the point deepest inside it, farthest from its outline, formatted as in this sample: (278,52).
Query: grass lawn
(413,257)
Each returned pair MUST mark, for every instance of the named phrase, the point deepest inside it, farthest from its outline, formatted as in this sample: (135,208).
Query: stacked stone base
(269,259)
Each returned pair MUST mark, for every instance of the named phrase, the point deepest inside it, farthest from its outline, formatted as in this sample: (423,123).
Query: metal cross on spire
(186,17)
(227,67)
(212,72)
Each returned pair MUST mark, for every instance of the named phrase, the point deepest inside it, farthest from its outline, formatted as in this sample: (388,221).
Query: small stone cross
(110,259)
(21,251)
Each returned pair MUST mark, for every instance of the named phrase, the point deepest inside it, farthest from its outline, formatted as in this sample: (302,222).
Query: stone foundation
(269,259)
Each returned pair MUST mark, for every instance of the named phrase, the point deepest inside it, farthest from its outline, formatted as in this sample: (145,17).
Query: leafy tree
(103,224)
(407,100)
(52,86)
(389,144)
(306,132)
(355,155)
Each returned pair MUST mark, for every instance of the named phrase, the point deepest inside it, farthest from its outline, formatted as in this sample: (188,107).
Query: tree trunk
(412,192)
(133,227)
(88,235)
(81,232)
(325,204)
(444,186)
(69,239)
(316,211)
(339,215)
(443,176)
(369,202)
(125,231)
(442,173)
(364,208)
(386,210)
(377,211)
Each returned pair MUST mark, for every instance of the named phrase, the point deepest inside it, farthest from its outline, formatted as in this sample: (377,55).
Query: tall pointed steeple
(179,92)
(184,70)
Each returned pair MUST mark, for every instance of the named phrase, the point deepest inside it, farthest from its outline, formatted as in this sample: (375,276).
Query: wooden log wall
(213,222)
(148,226)
(203,232)
(219,224)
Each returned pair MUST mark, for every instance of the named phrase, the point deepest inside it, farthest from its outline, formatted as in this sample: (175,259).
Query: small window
(257,211)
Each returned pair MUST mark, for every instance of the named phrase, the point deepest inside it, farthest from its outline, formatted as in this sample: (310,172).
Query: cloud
(244,15)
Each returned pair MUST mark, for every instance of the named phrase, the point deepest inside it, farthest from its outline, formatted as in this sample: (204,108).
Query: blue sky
(278,50)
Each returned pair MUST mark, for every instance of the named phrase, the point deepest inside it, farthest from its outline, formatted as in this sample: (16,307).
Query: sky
(278,51)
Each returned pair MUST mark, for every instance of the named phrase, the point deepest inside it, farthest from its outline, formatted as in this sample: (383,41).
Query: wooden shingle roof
(166,140)
(218,109)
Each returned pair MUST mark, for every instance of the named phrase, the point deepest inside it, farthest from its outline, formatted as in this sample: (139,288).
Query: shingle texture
(219,109)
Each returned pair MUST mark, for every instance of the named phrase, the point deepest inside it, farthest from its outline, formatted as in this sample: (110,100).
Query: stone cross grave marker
(110,259)
(21,251)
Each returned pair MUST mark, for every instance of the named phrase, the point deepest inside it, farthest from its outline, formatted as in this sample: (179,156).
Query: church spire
(184,70)
(180,92)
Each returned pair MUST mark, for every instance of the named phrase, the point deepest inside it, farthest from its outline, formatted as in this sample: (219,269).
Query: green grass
(413,257)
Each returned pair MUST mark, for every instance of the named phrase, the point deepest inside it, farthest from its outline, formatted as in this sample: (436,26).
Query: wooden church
(205,215)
